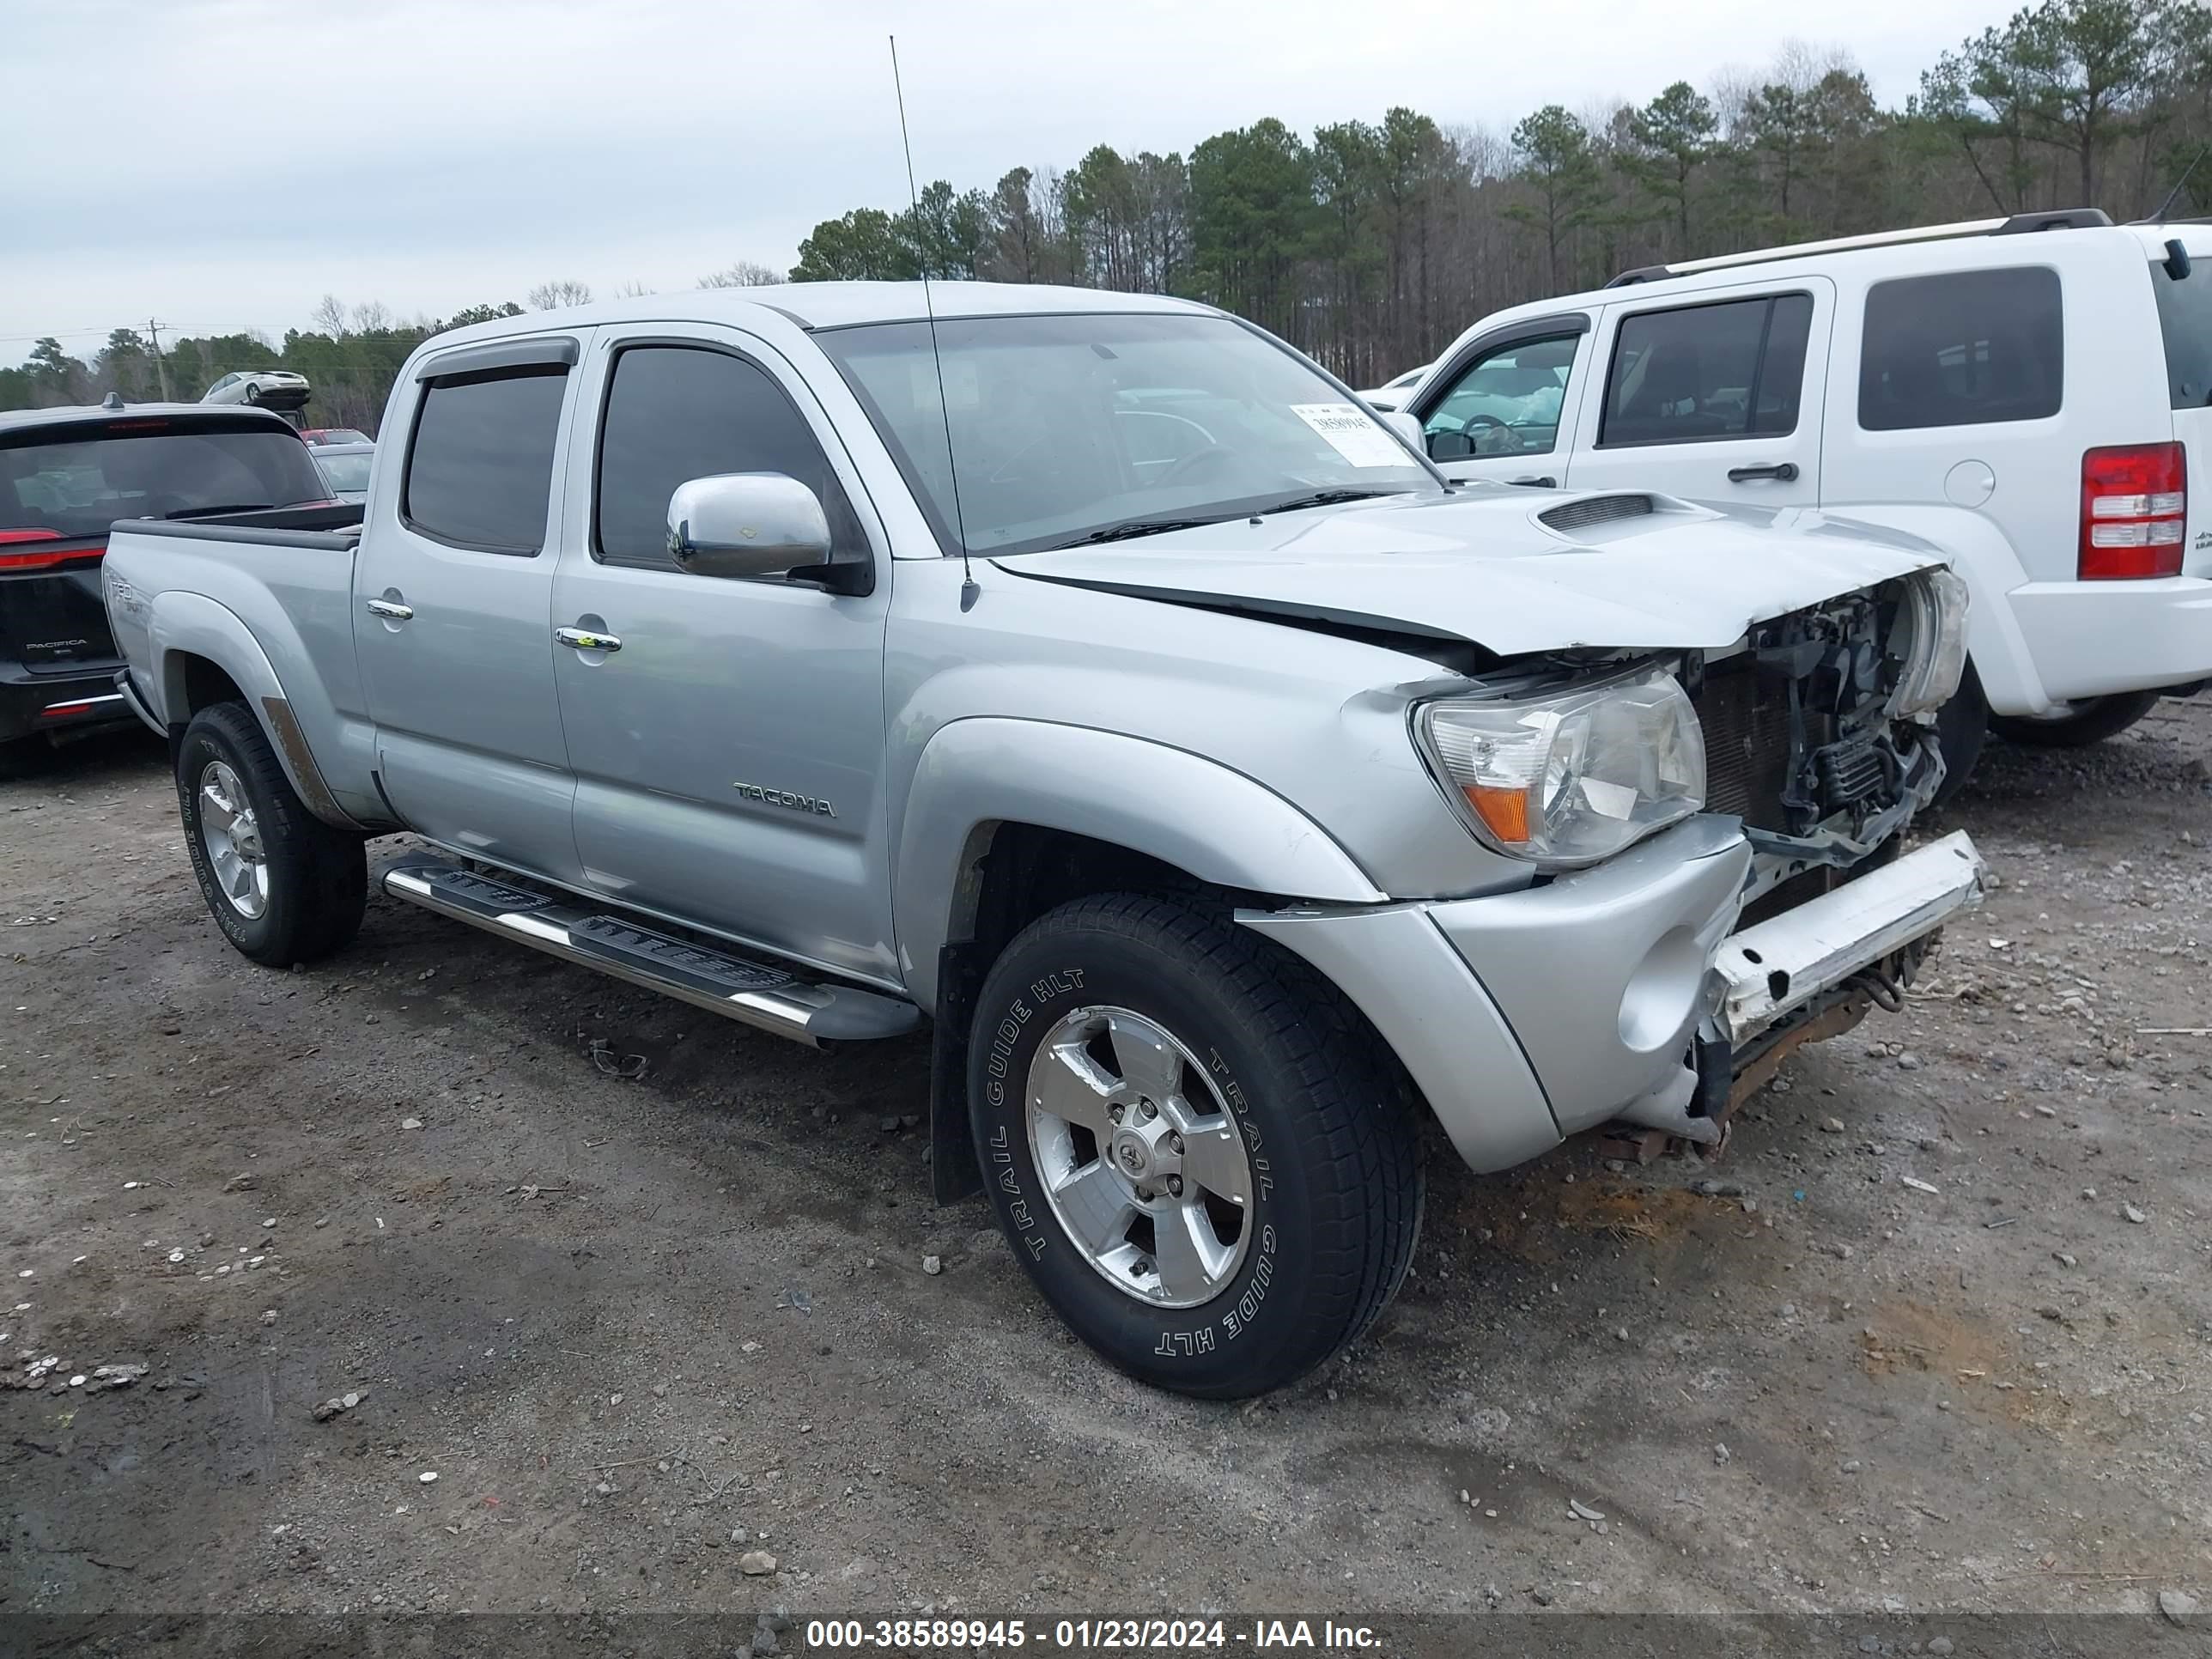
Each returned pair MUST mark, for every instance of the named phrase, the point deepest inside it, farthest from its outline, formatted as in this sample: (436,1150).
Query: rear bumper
(1528,1016)
(34,704)
(2093,639)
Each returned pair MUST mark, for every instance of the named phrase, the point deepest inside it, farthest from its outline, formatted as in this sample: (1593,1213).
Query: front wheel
(284,886)
(1200,1153)
(2091,720)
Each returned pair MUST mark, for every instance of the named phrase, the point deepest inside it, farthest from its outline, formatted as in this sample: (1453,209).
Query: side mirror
(1450,447)
(1403,424)
(746,523)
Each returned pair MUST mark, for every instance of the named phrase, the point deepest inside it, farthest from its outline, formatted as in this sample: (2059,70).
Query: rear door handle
(1780,472)
(1545,482)
(582,639)
(391,610)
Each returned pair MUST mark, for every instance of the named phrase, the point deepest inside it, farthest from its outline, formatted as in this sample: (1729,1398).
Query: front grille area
(1746,726)
(1595,509)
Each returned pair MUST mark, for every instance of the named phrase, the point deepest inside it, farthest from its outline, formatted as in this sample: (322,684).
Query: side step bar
(743,989)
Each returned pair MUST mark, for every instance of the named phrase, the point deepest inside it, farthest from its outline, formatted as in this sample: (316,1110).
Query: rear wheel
(2091,720)
(1200,1153)
(284,886)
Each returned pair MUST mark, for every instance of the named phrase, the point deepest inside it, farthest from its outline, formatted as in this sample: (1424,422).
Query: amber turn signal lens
(1505,812)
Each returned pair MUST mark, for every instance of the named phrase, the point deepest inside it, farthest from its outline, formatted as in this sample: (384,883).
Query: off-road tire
(1326,1116)
(2093,720)
(317,874)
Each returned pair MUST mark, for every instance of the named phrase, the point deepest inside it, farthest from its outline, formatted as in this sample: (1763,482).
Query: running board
(743,989)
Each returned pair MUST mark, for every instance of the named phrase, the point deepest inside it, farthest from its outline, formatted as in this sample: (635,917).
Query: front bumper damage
(1623,991)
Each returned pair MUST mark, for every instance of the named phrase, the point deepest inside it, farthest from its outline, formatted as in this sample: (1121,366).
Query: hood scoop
(1596,509)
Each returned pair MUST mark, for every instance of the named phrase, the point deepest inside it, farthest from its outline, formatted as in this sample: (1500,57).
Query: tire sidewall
(205,741)
(1243,1331)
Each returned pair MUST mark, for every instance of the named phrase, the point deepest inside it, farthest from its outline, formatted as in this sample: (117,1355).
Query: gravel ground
(666,1342)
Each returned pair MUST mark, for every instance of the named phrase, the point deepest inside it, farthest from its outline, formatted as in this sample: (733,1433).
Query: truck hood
(1485,566)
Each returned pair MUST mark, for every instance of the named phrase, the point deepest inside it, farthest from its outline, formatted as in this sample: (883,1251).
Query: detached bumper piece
(740,987)
(1770,970)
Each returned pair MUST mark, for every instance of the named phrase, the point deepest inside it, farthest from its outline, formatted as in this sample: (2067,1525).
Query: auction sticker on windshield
(1352,433)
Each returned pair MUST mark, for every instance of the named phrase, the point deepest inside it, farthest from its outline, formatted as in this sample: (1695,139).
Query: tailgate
(2184,318)
(51,618)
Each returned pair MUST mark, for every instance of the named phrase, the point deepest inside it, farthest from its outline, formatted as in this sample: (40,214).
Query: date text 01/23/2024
(1087,1635)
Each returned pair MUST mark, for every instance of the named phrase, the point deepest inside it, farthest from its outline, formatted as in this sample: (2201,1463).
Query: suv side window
(1964,349)
(1506,403)
(679,412)
(1704,372)
(480,464)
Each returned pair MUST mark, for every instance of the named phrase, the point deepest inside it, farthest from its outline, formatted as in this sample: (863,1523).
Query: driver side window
(1507,402)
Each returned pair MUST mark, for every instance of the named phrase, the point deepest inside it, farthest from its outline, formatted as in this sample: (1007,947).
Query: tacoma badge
(785,797)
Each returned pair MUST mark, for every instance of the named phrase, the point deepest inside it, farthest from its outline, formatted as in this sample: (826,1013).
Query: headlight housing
(1938,602)
(1573,776)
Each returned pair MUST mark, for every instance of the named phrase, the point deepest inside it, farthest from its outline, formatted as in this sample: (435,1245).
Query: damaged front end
(1820,732)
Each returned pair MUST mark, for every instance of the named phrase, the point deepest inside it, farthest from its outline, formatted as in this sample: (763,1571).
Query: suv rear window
(1703,373)
(480,470)
(1967,348)
(78,480)
(2184,317)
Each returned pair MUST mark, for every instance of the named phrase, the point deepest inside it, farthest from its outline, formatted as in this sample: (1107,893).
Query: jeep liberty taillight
(2135,510)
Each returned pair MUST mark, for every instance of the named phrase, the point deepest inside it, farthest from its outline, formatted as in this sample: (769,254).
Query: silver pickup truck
(1091,676)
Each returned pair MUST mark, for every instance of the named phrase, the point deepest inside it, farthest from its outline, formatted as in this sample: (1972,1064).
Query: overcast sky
(224,163)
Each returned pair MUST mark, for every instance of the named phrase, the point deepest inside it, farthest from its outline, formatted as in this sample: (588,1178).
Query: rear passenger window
(1965,349)
(1731,370)
(480,469)
(676,413)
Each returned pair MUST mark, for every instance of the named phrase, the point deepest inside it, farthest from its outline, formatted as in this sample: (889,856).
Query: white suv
(2028,393)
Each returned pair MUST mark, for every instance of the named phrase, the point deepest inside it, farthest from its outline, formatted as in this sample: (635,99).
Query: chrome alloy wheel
(1143,1165)
(232,840)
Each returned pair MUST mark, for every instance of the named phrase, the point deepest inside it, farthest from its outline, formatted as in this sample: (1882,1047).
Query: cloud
(243,157)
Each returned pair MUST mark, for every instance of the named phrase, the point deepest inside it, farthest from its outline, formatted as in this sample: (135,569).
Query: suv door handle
(1545,482)
(391,610)
(1780,472)
(582,639)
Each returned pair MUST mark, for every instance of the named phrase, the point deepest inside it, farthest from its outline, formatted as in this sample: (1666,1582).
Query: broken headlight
(1574,776)
(1937,601)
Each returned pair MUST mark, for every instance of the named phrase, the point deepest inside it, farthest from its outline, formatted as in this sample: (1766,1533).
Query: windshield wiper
(234,507)
(1328,498)
(1134,527)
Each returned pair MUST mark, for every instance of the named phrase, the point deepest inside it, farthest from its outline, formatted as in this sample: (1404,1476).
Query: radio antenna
(2157,215)
(969,591)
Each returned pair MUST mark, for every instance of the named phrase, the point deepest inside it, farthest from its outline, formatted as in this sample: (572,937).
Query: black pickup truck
(65,476)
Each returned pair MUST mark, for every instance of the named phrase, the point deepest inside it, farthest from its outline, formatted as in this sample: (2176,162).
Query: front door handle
(1544,482)
(390,610)
(1780,472)
(582,639)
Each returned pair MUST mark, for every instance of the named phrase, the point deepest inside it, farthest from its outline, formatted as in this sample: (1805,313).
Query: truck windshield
(77,479)
(1095,427)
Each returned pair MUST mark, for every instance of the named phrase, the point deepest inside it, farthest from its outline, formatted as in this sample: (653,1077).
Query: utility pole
(160,363)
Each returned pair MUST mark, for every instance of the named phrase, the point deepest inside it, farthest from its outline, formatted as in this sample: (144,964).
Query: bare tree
(371,319)
(329,316)
(552,296)
(745,273)
(632,290)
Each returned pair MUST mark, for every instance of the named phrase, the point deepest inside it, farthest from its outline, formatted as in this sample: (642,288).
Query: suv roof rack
(2018,224)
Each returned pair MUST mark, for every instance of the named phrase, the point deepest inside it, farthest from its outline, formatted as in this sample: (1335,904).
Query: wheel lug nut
(1116,1113)
(1175,1186)
(1147,1111)
(1174,1144)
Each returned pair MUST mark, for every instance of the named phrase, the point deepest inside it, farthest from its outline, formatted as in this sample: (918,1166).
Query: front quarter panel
(1191,812)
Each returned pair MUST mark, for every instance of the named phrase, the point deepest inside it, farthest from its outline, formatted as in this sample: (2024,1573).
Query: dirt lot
(638,1328)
